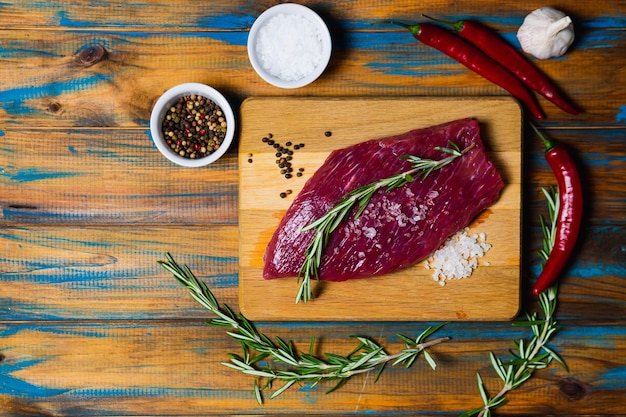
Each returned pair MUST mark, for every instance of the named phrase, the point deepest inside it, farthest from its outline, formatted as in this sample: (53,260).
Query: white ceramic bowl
(169,98)
(262,32)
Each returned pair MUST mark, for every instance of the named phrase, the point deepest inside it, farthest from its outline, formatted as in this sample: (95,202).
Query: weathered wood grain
(108,177)
(54,88)
(90,325)
(181,15)
(65,273)
(173,368)
(99,273)
(118,177)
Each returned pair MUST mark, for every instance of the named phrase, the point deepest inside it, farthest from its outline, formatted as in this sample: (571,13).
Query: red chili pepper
(474,59)
(501,51)
(569,216)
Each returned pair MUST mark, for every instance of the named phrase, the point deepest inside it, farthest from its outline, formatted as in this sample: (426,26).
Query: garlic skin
(546,33)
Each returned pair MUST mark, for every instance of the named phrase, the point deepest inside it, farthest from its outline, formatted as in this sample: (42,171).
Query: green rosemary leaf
(380,372)
(263,339)
(313,383)
(520,380)
(284,346)
(430,360)
(284,357)
(361,196)
(219,323)
(541,357)
(406,339)
(258,358)
(337,359)
(508,378)
(454,150)
(497,366)
(365,358)
(481,389)
(555,356)
(308,359)
(499,402)
(407,358)
(365,343)
(429,332)
(283,388)
(532,354)
(257,393)
(291,366)
(339,384)
(515,362)
(472,413)
(233,366)
(238,336)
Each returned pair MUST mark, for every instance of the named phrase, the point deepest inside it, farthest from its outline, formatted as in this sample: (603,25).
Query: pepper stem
(546,141)
(414,29)
(456,26)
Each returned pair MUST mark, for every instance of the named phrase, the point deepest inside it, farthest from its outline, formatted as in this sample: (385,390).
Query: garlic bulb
(546,33)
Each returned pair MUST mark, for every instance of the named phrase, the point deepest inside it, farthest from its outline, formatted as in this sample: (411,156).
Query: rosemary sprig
(276,360)
(326,224)
(533,354)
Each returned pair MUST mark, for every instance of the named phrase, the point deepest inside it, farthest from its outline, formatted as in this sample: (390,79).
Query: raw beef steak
(398,228)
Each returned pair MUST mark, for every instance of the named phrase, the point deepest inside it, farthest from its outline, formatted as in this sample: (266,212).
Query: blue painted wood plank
(110,274)
(387,62)
(174,368)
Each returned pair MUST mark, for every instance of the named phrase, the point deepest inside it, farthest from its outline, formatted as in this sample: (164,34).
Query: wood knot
(2,357)
(91,55)
(54,107)
(572,388)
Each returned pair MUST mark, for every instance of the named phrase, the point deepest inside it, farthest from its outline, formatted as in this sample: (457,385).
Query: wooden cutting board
(323,124)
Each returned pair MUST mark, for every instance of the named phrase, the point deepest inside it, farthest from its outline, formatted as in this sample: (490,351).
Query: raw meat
(398,228)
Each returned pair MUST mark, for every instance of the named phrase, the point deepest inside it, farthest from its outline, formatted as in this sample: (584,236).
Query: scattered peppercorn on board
(307,130)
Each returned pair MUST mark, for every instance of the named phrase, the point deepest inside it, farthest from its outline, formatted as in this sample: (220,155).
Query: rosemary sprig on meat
(532,354)
(326,224)
(286,364)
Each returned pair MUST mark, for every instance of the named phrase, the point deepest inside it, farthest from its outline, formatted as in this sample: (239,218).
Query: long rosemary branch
(533,354)
(293,366)
(326,224)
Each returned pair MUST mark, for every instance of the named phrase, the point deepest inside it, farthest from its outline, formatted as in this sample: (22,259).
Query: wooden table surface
(91,325)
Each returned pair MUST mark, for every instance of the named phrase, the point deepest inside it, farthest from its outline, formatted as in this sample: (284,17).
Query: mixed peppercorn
(194,127)
(284,156)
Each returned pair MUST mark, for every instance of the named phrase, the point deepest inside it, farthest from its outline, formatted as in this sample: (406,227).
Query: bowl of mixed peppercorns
(192,124)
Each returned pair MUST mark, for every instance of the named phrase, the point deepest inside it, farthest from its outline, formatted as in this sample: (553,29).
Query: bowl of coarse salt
(289,45)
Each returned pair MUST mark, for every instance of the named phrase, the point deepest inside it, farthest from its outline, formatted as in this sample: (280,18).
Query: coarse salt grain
(457,257)
(289,47)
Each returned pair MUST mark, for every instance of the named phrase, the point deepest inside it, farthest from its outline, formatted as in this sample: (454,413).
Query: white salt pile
(289,47)
(457,257)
